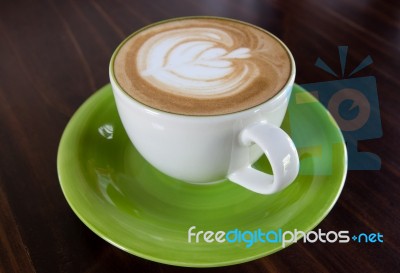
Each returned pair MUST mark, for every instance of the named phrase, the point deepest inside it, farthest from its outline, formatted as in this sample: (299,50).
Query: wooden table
(55,54)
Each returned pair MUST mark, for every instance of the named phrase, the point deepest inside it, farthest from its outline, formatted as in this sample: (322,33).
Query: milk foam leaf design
(199,61)
(197,67)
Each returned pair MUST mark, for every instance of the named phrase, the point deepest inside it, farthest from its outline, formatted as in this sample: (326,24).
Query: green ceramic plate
(130,204)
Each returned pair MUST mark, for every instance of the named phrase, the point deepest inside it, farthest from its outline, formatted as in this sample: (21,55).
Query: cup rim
(277,96)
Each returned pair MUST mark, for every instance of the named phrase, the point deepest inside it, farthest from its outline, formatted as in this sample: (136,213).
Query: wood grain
(55,54)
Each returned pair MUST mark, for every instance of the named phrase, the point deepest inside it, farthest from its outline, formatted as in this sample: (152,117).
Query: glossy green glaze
(130,204)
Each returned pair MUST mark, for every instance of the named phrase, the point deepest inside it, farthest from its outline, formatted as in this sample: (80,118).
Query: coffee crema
(202,66)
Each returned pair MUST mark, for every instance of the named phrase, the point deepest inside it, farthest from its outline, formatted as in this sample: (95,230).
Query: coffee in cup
(202,98)
(202,66)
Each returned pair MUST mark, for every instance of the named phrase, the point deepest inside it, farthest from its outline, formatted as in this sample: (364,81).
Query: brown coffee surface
(202,66)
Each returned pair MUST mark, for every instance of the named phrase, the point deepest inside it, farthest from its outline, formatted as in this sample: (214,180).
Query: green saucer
(133,206)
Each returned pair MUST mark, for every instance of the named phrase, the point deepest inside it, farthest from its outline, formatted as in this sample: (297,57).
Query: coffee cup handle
(281,153)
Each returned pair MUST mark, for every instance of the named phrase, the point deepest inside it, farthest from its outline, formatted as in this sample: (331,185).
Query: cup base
(207,183)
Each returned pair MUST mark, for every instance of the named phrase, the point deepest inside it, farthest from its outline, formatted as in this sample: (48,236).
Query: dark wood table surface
(55,54)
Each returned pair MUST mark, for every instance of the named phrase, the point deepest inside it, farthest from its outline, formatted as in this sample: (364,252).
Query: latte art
(194,61)
(202,66)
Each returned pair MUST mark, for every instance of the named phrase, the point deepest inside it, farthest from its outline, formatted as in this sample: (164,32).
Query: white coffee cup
(208,149)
